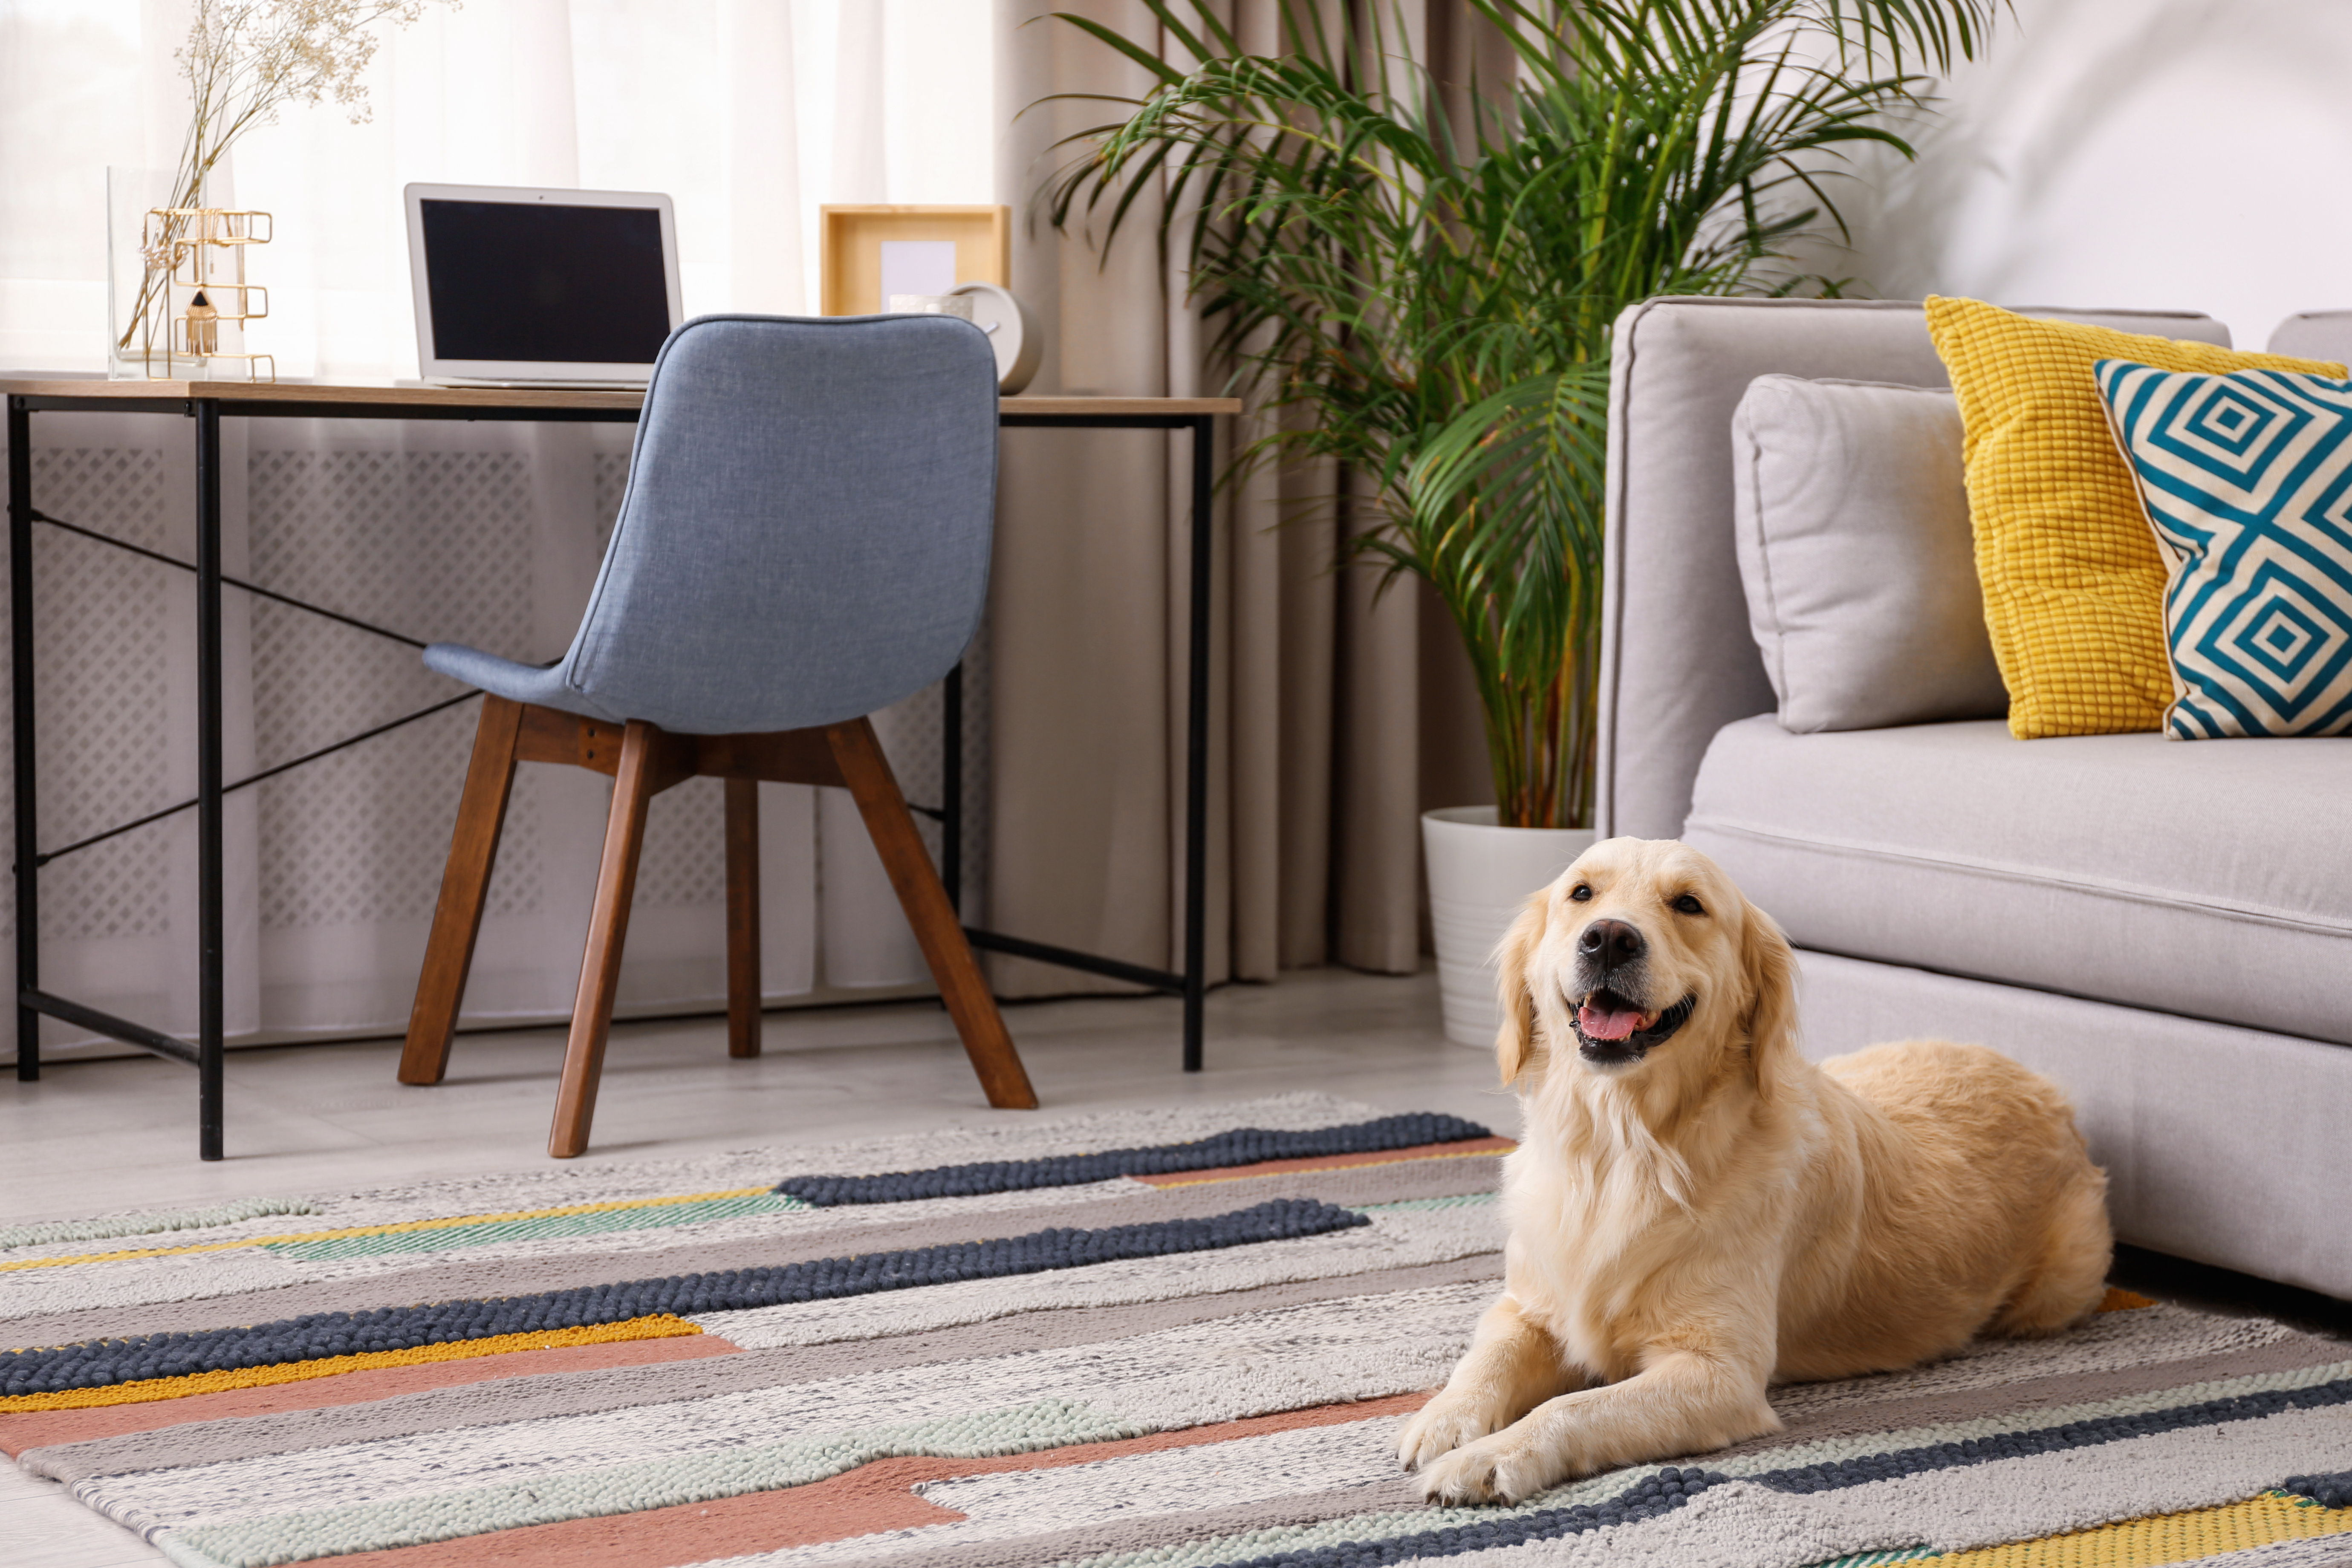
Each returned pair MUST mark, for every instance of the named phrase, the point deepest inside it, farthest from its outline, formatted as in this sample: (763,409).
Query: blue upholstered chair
(804,539)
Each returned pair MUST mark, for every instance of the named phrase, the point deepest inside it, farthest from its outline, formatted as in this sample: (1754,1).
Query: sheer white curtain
(749,113)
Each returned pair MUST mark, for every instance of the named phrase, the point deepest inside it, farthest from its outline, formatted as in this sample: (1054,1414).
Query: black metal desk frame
(206,1053)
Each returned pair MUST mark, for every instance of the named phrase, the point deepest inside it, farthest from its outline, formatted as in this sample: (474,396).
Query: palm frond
(1437,297)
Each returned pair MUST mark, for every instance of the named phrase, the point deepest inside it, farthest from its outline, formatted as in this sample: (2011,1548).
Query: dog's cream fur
(1721,1214)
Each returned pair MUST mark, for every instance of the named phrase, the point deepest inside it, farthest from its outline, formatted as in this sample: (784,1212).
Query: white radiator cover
(483,533)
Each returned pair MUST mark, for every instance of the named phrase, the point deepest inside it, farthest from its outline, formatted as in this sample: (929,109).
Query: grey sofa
(2165,928)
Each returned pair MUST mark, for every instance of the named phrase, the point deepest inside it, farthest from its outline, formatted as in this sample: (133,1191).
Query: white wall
(2177,154)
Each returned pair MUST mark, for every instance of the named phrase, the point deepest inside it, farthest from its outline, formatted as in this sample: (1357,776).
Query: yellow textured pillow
(2073,587)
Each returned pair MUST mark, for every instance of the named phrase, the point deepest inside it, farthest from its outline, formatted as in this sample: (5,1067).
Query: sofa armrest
(1677,661)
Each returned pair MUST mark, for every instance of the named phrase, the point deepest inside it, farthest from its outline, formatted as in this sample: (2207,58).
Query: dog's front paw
(1506,1467)
(1440,1426)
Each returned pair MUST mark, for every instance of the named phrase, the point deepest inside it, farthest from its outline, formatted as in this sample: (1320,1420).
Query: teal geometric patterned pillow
(2247,481)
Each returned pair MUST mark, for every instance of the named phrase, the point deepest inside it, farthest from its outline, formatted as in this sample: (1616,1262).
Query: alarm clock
(995,312)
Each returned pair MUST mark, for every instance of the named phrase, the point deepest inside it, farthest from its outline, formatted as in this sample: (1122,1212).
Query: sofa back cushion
(1676,659)
(1852,519)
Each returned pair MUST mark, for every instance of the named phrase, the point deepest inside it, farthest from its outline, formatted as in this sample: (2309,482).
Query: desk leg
(1196,747)
(20,684)
(209,935)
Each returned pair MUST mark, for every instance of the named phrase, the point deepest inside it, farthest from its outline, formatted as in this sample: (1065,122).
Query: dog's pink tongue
(1601,1024)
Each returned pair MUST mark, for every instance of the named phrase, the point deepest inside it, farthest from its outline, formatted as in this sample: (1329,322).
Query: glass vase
(178,293)
(132,281)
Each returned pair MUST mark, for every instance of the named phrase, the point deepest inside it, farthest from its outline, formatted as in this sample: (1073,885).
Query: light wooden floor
(110,1135)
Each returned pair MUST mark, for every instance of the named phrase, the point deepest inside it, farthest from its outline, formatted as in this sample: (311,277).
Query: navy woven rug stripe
(1243,1146)
(1670,1488)
(100,1364)
(1661,1493)
(2051,1439)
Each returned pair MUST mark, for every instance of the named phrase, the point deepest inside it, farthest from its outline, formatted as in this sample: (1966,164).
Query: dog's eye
(1582,892)
(1689,905)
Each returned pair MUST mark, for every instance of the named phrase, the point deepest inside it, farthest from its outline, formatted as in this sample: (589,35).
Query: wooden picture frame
(849,246)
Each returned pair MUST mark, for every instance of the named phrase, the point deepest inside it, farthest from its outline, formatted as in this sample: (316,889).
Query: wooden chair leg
(871,784)
(465,888)
(742,917)
(608,928)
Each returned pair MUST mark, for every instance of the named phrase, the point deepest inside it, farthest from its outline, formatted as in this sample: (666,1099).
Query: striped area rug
(1182,1338)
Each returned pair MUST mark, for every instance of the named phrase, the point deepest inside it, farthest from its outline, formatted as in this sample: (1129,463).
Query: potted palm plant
(1437,290)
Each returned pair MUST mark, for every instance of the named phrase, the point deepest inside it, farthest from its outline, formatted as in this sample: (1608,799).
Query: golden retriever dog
(1696,1212)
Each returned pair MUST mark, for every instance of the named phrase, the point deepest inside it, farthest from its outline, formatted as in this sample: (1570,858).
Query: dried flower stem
(246,59)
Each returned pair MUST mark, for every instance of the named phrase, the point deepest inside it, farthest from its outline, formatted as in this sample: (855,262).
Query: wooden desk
(206,402)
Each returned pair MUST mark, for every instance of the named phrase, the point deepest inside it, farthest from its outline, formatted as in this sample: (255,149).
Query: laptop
(521,287)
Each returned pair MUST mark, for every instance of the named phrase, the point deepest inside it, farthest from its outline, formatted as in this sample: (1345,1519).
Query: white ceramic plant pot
(1479,878)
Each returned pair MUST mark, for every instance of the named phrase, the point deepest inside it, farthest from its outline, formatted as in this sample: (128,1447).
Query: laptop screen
(537,283)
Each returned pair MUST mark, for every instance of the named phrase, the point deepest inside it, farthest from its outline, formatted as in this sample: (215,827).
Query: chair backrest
(805,534)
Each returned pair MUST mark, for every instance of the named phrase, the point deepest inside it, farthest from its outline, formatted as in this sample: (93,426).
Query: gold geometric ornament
(196,300)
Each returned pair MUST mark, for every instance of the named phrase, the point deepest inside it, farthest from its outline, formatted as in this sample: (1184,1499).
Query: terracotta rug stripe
(670,1480)
(549,1492)
(867,1500)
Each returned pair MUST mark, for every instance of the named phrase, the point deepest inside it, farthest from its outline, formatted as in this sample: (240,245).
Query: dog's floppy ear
(1515,1042)
(1769,967)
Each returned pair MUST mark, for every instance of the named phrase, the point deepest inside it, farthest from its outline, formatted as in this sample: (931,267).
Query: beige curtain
(1338,715)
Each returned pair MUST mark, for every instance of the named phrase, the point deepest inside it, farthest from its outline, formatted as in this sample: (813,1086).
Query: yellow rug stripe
(450,1224)
(658,1326)
(1333,1170)
(2164,1539)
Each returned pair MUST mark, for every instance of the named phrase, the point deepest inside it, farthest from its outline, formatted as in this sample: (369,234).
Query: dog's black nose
(1613,943)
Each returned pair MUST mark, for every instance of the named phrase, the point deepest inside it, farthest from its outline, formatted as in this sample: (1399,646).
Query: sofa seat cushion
(2213,881)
